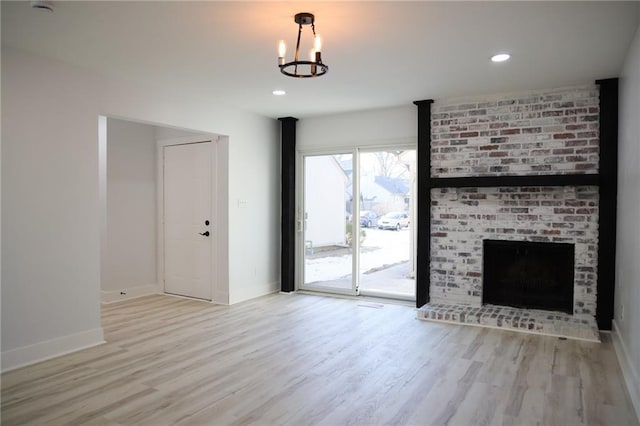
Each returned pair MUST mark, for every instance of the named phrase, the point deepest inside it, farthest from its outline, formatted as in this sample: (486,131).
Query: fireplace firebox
(530,275)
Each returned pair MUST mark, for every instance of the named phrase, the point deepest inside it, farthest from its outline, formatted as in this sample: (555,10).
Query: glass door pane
(387,187)
(327,224)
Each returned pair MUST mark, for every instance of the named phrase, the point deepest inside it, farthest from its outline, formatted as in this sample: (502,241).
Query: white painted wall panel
(627,297)
(50,226)
(130,257)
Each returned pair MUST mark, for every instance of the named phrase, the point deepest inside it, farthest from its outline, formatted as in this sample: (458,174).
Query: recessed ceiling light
(500,57)
(279,92)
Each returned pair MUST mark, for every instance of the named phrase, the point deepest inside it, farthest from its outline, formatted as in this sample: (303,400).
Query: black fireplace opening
(530,275)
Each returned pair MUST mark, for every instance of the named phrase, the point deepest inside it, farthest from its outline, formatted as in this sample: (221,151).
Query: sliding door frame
(380,294)
(300,221)
(355,152)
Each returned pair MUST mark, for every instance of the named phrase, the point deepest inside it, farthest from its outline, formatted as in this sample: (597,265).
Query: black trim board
(498,181)
(423,207)
(288,227)
(608,201)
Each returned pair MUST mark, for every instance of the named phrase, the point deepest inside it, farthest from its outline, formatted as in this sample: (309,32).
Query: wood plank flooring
(302,359)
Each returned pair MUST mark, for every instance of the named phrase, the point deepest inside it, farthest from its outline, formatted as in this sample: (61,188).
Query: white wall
(50,227)
(129,259)
(627,293)
(170,133)
(380,127)
(50,197)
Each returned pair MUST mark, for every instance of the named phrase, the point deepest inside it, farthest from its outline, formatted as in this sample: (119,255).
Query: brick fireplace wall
(546,132)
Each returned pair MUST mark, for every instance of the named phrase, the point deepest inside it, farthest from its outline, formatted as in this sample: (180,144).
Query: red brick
(477,196)
(591,134)
(540,152)
(563,151)
(586,166)
(527,231)
(589,150)
(448,216)
(585,211)
(508,160)
(552,113)
(510,132)
(564,136)
(576,127)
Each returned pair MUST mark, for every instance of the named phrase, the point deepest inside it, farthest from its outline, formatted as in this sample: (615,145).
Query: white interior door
(187,220)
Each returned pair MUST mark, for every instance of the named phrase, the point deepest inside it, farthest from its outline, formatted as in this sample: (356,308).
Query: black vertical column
(288,220)
(423,213)
(608,201)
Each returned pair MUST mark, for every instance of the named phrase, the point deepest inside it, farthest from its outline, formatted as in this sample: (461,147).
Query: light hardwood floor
(303,359)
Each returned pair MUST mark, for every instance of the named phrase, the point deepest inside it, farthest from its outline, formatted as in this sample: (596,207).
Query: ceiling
(380,54)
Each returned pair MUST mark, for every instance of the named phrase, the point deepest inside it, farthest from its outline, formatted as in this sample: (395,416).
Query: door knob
(205,233)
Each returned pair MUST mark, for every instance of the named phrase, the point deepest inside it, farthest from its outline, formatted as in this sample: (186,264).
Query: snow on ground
(387,248)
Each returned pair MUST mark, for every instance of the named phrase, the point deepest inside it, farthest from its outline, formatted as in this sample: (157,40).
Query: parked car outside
(395,220)
(368,219)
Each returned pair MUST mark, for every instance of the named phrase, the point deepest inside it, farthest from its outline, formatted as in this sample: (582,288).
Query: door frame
(355,151)
(219,288)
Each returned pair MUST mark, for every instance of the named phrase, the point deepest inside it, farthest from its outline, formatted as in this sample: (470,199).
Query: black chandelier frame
(316,68)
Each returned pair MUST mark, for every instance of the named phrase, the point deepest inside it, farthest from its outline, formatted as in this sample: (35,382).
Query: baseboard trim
(631,378)
(113,296)
(42,351)
(262,290)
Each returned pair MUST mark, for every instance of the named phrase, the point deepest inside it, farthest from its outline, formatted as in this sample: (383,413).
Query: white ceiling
(380,54)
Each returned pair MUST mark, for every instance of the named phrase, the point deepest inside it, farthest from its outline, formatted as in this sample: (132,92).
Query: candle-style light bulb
(282,50)
(312,58)
(317,48)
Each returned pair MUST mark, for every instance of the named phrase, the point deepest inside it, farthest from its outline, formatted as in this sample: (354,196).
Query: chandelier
(303,69)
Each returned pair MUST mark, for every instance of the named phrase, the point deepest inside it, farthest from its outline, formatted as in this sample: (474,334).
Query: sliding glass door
(328,223)
(356,223)
(387,187)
